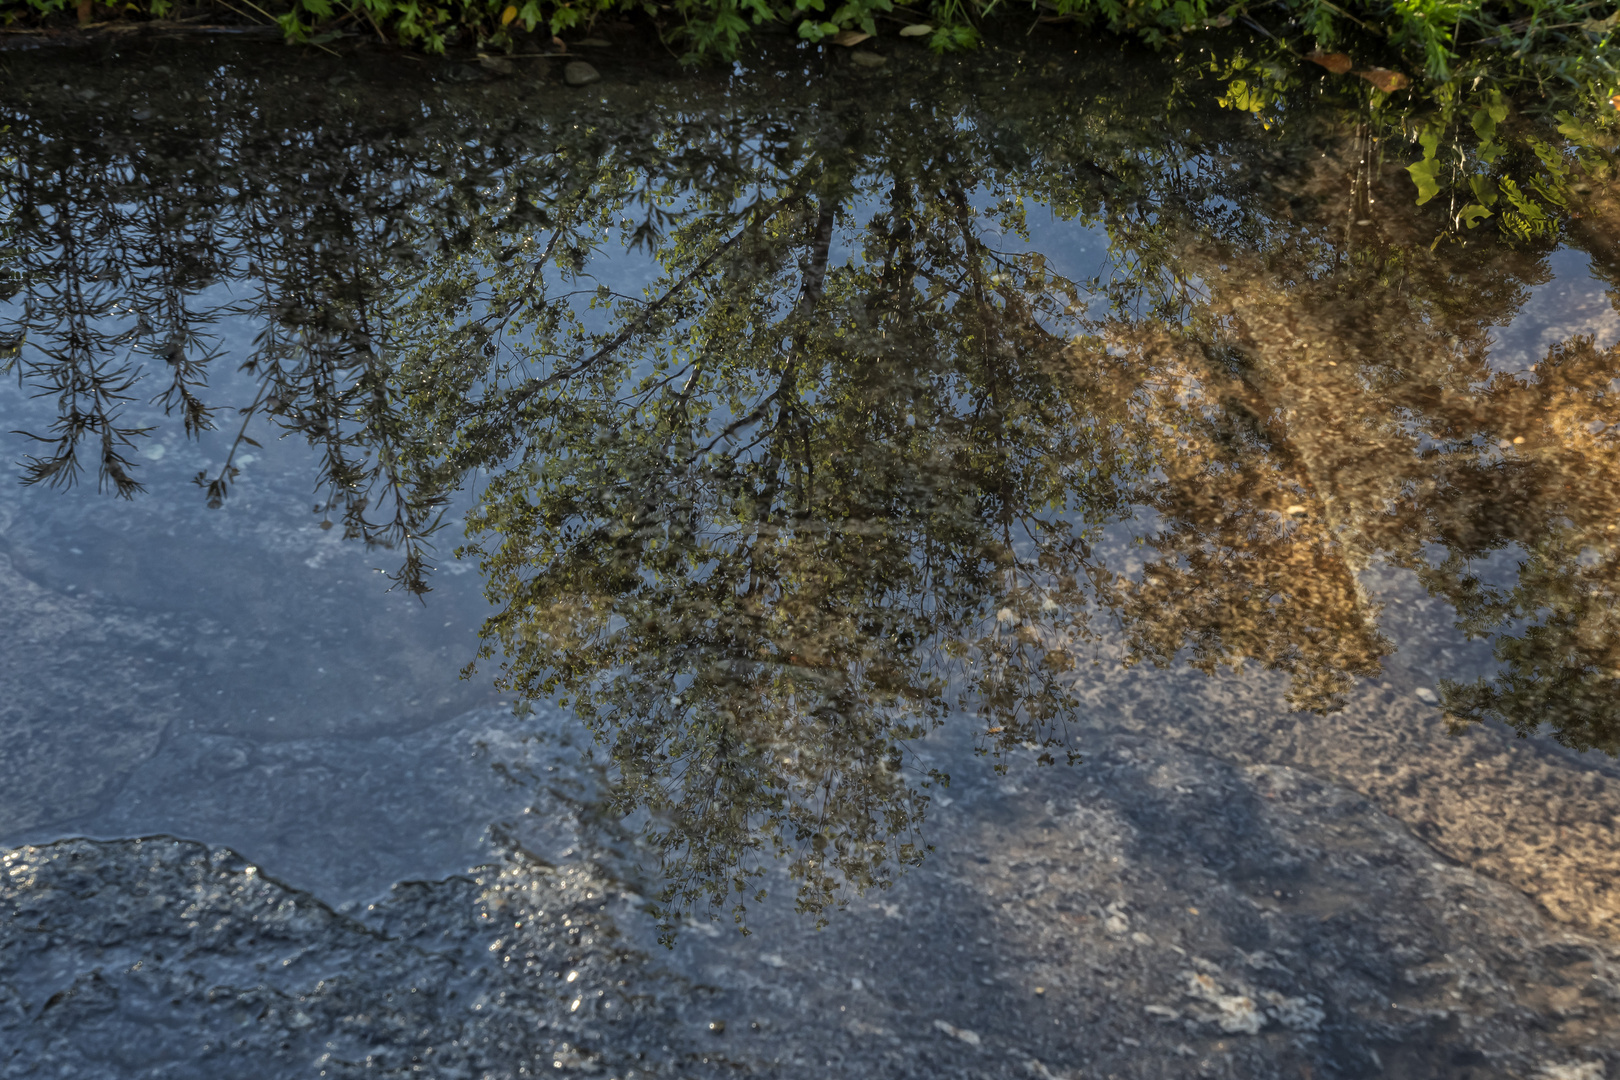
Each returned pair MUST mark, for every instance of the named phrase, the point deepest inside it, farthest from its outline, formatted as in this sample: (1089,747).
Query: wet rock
(1369,933)
(1525,813)
(579,73)
(80,708)
(1292,929)
(865,59)
(163,957)
(1327,940)
(279,800)
(969,1037)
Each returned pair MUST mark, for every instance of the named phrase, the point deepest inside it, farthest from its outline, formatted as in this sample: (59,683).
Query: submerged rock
(579,73)
(1284,926)
(162,957)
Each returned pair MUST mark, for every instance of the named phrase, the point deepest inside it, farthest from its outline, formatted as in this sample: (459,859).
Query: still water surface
(1079,575)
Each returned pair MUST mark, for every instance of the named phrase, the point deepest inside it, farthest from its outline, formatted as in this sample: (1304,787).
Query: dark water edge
(1222,886)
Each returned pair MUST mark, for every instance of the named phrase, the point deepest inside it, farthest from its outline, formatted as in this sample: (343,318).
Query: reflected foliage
(805,422)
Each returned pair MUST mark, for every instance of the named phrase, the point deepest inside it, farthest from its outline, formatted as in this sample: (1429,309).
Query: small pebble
(969,1037)
(717,1026)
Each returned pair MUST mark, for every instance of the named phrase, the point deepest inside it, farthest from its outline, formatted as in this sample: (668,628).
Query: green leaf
(1577,132)
(1426,175)
(1239,95)
(1471,215)
(953,39)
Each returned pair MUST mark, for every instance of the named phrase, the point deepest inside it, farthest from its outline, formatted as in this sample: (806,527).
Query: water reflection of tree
(844,500)
(133,244)
(826,514)
(1384,429)
(842,471)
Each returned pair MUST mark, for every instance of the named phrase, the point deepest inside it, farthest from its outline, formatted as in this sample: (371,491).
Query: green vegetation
(1442,40)
(1503,104)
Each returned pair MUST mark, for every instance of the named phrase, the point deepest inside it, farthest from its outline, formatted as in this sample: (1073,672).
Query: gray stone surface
(579,73)
(1152,912)
(1524,812)
(80,706)
(346,817)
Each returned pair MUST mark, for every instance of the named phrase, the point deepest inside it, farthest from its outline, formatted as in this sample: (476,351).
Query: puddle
(1083,609)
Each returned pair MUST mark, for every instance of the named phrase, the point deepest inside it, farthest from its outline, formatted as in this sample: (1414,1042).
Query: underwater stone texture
(1151,912)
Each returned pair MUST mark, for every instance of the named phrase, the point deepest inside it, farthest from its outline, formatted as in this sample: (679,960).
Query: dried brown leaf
(1386,80)
(1336,62)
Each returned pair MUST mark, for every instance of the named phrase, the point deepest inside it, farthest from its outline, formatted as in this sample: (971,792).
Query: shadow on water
(795,422)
